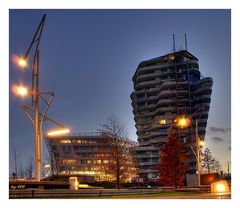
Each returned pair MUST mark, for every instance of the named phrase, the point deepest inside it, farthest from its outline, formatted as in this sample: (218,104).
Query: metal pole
(37,130)
(198,155)
(35,97)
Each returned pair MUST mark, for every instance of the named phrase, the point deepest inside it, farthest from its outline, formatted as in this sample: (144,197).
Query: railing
(146,83)
(148,171)
(203,88)
(83,134)
(148,163)
(147,156)
(81,193)
(76,135)
(147,148)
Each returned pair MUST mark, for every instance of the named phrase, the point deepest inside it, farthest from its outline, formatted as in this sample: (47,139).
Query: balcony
(148,163)
(146,83)
(148,171)
(168,83)
(147,148)
(189,62)
(142,156)
(167,92)
(163,101)
(203,89)
(165,109)
(146,76)
(154,141)
(200,105)
(151,134)
(163,65)
(207,98)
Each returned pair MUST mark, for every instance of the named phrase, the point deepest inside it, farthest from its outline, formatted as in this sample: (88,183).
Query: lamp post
(183,123)
(36,96)
(37,118)
(197,154)
(198,143)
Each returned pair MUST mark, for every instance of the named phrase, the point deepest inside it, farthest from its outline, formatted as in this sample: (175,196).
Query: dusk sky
(88,58)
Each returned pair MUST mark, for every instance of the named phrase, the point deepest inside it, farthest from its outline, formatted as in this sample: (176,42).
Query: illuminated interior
(84,156)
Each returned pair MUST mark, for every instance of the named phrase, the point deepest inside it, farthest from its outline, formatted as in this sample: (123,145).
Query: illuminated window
(64,141)
(171,57)
(162,121)
(69,162)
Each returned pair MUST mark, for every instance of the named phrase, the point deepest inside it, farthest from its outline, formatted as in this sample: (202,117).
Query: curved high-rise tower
(164,88)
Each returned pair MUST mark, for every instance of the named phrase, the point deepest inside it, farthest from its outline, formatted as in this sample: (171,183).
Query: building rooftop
(164,59)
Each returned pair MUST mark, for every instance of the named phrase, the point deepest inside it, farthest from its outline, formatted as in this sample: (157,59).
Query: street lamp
(20,90)
(201,143)
(46,169)
(59,132)
(198,143)
(23,91)
(185,122)
(22,62)
(37,118)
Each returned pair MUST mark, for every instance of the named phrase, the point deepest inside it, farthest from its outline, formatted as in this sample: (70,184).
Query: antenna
(186,41)
(174,48)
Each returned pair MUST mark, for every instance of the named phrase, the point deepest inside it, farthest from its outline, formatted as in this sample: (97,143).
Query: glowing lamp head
(58,132)
(22,62)
(47,166)
(183,122)
(20,90)
(220,187)
(201,143)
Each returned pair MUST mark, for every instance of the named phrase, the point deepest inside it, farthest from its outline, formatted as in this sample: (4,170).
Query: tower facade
(165,88)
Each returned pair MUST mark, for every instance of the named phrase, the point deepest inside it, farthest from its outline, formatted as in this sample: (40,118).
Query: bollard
(73,183)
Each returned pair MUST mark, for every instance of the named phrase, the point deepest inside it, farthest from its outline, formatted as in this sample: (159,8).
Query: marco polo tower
(167,87)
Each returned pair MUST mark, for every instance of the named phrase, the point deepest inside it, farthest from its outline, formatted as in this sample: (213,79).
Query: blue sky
(88,58)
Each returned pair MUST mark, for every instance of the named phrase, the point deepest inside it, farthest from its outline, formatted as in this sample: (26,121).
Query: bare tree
(16,162)
(29,168)
(53,162)
(217,166)
(209,163)
(21,170)
(121,162)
